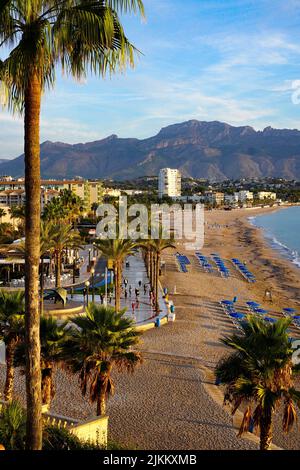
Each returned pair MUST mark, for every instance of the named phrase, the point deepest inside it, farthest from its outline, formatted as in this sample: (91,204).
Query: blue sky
(236,61)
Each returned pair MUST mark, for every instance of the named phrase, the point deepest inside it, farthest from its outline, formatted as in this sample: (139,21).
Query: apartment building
(214,197)
(13,192)
(266,195)
(244,196)
(169,183)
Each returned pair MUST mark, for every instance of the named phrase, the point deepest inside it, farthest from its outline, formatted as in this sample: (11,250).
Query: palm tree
(7,233)
(94,208)
(67,206)
(81,35)
(17,212)
(11,331)
(45,247)
(259,374)
(53,336)
(98,341)
(2,214)
(157,246)
(116,250)
(60,237)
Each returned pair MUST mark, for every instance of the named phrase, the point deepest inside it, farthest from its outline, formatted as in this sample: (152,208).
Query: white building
(214,197)
(169,183)
(244,196)
(231,198)
(266,195)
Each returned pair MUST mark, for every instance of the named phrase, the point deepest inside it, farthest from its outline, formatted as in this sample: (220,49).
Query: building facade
(244,196)
(266,195)
(13,192)
(169,183)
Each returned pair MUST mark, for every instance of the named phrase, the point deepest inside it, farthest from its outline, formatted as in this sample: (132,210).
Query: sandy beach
(171,401)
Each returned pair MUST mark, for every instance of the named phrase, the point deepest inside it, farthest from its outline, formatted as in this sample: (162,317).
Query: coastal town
(149,232)
(182,329)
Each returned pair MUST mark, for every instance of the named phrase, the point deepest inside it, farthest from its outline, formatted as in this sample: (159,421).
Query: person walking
(133,307)
(137,303)
(101,298)
(140,283)
(130,290)
(125,294)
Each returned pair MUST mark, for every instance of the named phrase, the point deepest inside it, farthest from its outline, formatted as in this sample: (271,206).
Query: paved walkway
(136,273)
(137,278)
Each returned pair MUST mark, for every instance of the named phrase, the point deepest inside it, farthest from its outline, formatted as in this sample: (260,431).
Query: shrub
(13,426)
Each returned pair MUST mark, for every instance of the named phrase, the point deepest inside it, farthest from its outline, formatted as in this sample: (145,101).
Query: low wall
(93,430)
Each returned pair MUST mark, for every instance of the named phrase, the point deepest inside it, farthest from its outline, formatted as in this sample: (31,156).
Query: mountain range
(213,150)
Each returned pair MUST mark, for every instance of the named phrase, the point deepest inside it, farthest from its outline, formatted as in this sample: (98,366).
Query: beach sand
(170,402)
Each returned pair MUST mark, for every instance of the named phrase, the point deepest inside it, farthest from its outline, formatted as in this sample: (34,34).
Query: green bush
(55,438)
(13,432)
(13,426)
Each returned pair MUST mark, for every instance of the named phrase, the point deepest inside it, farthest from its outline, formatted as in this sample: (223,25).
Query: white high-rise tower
(169,183)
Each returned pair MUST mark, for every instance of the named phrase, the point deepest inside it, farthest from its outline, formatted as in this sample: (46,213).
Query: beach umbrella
(227,302)
(296,317)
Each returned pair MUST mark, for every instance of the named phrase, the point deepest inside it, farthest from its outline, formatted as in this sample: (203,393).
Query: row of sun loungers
(223,270)
(203,261)
(243,270)
(182,261)
(236,317)
(292,313)
(254,308)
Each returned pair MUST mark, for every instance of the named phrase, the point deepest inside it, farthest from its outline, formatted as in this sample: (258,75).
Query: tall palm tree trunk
(32,259)
(148,262)
(157,263)
(58,270)
(118,281)
(151,269)
(101,402)
(10,371)
(265,432)
(42,286)
(47,384)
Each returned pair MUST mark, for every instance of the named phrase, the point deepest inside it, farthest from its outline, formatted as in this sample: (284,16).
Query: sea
(282,231)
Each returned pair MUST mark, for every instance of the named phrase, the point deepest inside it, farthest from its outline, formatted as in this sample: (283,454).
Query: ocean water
(282,231)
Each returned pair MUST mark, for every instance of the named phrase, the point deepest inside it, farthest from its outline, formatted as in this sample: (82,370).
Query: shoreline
(270,266)
(283,251)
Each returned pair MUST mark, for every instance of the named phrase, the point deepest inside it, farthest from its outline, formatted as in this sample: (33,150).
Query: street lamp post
(93,287)
(87,284)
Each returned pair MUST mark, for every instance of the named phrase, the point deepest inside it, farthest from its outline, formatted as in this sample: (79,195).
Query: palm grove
(79,36)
